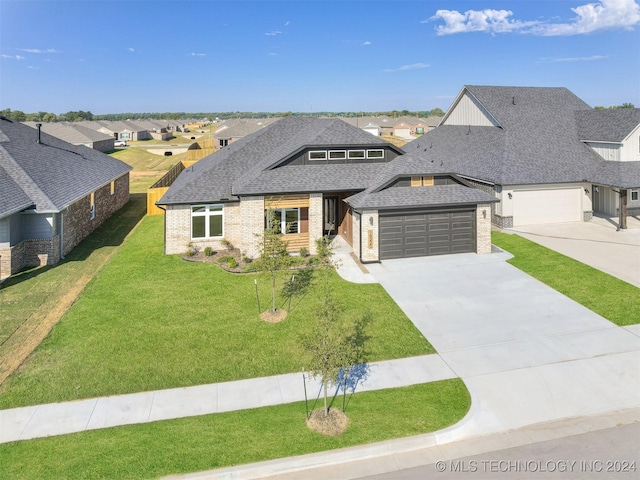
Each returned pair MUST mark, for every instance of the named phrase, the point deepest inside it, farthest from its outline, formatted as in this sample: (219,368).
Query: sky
(309,55)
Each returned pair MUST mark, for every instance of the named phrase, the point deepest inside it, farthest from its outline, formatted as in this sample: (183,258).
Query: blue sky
(304,55)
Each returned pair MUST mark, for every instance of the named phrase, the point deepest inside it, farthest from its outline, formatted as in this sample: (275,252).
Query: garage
(424,233)
(533,207)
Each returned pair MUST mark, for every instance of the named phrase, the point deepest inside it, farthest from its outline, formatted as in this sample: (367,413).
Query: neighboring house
(52,195)
(77,135)
(231,130)
(544,153)
(325,177)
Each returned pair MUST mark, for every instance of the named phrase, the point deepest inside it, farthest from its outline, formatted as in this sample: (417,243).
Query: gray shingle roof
(235,170)
(538,142)
(312,178)
(612,125)
(406,197)
(72,133)
(52,174)
(377,196)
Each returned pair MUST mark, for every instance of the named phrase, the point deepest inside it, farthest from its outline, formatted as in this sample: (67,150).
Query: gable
(468,110)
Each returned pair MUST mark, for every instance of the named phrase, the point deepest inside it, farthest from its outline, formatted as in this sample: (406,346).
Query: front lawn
(150,321)
(213,441)
(608,296)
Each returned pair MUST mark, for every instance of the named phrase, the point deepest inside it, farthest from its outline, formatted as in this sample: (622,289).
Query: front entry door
(330,216)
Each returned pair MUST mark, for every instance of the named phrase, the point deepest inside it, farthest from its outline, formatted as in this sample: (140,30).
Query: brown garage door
(419,234)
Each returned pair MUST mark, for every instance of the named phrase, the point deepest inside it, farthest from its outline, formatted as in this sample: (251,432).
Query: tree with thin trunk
(274,256)
(332,345)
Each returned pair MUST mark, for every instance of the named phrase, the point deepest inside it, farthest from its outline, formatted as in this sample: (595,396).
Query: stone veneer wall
(369,253)
(483,228)
(355,240)
(315,221)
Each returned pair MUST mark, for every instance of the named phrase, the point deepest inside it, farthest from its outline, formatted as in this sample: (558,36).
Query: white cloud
(366,43)
(273,33)
(413,66)
(491,21)
(37,50)
(287,23)
(131,49)
(581,59)
(591,17)
(16,57)
(193,54)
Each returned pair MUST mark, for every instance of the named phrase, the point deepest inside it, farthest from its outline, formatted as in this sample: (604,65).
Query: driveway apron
(527,353)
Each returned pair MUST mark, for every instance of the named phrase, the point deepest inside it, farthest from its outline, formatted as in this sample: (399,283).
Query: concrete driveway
(526,353)
(596,243)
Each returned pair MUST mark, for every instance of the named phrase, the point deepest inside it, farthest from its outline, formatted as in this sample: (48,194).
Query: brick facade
(252,215)
(77,222)
(76,226)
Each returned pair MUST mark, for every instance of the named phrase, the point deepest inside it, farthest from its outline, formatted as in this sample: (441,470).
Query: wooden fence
(158,189)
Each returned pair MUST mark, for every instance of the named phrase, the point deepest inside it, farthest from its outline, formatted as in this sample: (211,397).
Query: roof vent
(38,126)
(513,100)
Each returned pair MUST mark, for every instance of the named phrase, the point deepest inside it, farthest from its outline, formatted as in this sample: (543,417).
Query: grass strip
(226,439)
(604,294)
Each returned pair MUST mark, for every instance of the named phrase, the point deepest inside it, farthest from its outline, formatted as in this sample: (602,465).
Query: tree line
(80,115)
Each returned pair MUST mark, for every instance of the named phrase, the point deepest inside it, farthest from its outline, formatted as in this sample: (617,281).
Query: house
(52,195)
(543,152)
(76,134)
(322,176)
(233,129)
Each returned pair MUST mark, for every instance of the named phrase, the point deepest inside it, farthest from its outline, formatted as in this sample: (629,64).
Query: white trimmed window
(207,221)
(289,220)
(375,153)
(318,155)
(356,154)
(634,195)
(337,154)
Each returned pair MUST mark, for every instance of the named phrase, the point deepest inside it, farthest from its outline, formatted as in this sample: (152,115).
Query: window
(634,195)
(318,155)
(289,220)
(375,153)
(338,154)
(421,181)
(92,208)
(207,221)
(356,153)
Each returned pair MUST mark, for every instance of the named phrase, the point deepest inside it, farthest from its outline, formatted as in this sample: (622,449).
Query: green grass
(608,296)
(150,321)
(214,441)
(141,160)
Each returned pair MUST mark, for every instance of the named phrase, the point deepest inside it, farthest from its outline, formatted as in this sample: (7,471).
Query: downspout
(61,235)
(164,247)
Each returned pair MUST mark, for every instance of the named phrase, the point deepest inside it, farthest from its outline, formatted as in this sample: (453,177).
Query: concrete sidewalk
(77,416)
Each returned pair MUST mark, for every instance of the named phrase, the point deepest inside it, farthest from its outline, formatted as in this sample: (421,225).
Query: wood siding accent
(416,181)
(286,201)
(296,241)
(427,181)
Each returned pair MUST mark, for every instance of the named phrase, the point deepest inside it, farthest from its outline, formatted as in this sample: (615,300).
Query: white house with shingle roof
(542,151)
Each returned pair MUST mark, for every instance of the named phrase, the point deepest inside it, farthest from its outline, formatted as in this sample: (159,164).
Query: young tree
(332,345)
(274,256)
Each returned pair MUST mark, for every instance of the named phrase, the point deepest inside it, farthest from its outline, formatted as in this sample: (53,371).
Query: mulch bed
(215,258)
(331,425)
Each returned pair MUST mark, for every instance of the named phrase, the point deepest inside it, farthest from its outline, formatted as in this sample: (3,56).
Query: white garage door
(533,207)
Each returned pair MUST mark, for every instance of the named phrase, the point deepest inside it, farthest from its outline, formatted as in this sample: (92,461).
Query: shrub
(246,259)
(304,252)
(191,250)
(226,259)
(208,251)
(232,263)
(226,244)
